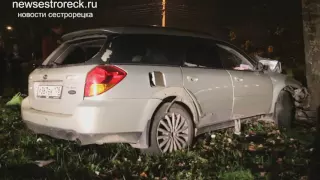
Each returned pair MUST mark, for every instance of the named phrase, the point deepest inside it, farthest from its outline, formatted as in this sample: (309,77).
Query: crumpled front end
(301,97)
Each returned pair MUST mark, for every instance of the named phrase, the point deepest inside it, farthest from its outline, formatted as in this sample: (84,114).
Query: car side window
(233,60)
(202,54)
(146,49)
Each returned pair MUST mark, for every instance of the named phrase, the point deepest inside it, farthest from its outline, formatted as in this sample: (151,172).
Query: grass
(261,152)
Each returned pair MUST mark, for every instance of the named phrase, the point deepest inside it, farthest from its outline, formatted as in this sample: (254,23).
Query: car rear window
(145,49)
(76,52)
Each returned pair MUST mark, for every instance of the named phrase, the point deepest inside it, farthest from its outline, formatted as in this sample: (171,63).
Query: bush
(235,175)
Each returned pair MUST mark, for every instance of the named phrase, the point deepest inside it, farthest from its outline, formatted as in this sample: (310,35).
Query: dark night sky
(250,19)
(180,13)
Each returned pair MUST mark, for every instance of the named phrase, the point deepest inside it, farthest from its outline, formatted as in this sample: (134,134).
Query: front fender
(281,82)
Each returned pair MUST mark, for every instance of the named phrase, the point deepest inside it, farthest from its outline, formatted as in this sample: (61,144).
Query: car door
(253,90)
(208,82)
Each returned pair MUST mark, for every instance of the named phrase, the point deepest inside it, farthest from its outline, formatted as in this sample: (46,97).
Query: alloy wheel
(172,133)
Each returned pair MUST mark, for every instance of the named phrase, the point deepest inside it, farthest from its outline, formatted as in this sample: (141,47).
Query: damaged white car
(154,88)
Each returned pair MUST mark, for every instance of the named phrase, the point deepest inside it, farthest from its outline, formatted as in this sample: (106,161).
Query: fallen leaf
(273,132)
(181,164)
(260,146)
(303,178)
(271,141)
(262,174)
(251,148)
(206,147)
(143,174)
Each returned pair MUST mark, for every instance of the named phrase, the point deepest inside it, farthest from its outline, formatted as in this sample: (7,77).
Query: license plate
(50,92)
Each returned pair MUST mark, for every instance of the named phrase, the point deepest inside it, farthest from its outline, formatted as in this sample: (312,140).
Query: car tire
(170,131)
(284,111)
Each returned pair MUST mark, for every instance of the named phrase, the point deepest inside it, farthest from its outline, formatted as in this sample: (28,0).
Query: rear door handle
(238,79)
(192,79)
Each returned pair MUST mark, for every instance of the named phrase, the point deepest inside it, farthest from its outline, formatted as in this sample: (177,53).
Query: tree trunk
(311,33)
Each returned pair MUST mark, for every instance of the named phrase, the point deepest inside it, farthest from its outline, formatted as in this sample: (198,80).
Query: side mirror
(271,65)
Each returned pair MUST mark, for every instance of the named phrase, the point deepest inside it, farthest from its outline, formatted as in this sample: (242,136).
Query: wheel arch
(182,97)
(170,95)
(290,85)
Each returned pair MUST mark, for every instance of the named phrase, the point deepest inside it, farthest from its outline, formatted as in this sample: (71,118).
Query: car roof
(135,30)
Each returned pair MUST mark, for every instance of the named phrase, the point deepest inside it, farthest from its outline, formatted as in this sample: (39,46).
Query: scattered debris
(237,126)
(16,100)
(42,163)
(39,140)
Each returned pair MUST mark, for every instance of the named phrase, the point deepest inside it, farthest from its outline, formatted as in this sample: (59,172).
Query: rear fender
(181,95)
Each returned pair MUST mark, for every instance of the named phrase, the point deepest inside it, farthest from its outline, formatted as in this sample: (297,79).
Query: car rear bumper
(113,121)
(71,135)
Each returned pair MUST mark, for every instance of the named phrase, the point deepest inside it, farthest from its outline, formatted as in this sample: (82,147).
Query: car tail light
(102,78)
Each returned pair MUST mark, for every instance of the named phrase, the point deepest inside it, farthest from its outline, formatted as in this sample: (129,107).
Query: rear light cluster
(102,78)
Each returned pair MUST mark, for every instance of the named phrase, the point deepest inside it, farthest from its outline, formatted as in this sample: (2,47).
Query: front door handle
(192,79)
(238,79)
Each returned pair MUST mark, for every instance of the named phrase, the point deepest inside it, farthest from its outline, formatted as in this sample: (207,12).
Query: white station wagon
(154,88)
